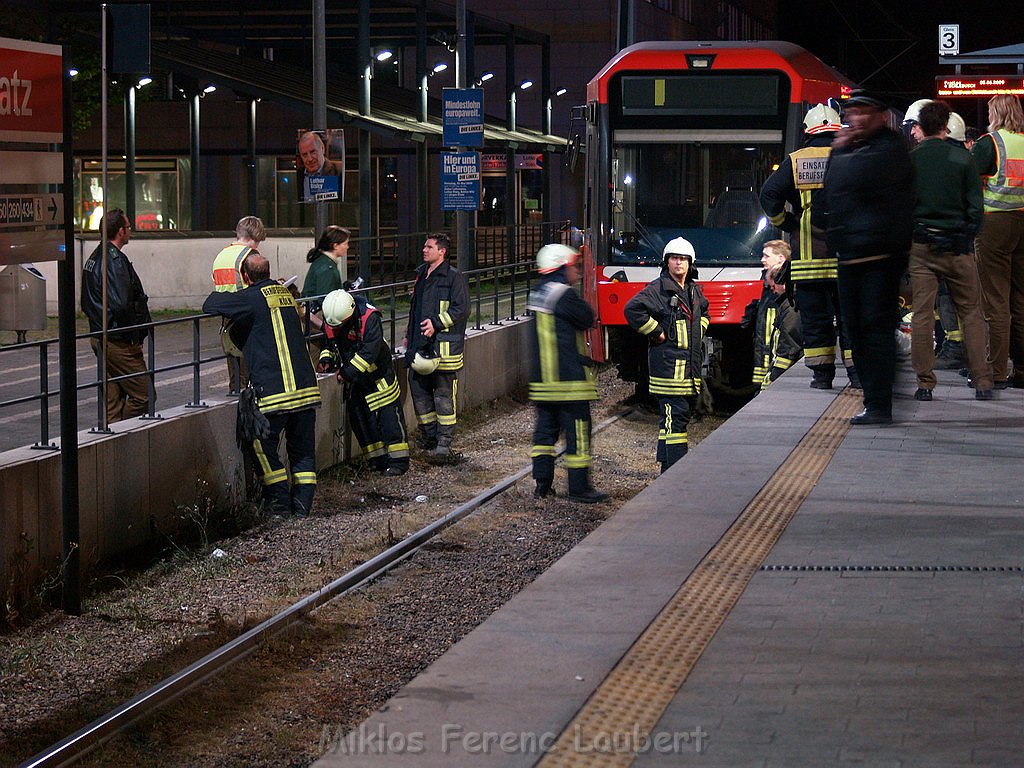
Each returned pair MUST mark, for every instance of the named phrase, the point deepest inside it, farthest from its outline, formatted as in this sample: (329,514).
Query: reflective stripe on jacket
(561,369)
(1005,190)
(227,268)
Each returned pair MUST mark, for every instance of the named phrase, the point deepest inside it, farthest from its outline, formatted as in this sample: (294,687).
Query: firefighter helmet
(227,341)
(957,128)
(914,111)
(424,366)
(555,256)
(338,307)
(679,246)
(820,118)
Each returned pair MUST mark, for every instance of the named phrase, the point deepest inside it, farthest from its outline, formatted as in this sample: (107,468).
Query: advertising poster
(320,160)
(460,181)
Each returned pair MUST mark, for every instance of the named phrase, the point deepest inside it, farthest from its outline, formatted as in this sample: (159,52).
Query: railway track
(79,744)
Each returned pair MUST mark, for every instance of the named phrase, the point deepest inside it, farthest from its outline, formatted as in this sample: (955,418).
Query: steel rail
(86,739)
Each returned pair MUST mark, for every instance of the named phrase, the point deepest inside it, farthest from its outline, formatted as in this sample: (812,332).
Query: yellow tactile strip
(620,714)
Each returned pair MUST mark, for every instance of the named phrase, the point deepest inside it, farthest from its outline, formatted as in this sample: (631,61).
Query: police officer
(356,350)
(673,314)
(813,272)
(266,324)
(437,329)
(562,381)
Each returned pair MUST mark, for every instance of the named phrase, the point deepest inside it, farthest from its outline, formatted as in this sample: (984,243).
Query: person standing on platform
(786,341)
(774,255)
(868,204)
(227,278)
(562,380)
(356,350)
(437,335)
(673,314)
(999,155)
(947,215)
(323,276)
(127,305)
(266,324)
(799,181)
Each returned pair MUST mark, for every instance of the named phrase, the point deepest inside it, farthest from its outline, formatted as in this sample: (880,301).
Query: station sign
(460,181)
(31,82)
(979,86)
(31,210)
(949,39)
(462,116)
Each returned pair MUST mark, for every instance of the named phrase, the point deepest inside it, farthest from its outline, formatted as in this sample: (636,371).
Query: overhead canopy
(1006,54)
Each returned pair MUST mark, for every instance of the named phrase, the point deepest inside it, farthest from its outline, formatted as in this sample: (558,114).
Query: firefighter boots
(822,376)
(950,357)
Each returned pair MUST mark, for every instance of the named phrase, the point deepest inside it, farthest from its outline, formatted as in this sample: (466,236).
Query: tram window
(706,192)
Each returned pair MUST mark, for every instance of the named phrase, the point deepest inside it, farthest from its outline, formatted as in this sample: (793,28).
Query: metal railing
(498,294)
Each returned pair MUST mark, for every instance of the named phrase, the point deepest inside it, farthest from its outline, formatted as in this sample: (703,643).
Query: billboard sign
(978,86)
(460,181)
(30,92)
(320,160)
(462,115)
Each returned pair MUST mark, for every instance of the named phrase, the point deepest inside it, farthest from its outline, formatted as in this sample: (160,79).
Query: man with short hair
(227,278)
(267,328)
(313,155)
(869,202)
(437,330)
(127,305)
(947,216)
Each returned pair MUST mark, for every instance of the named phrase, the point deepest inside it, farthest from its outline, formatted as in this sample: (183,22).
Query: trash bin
(22,299)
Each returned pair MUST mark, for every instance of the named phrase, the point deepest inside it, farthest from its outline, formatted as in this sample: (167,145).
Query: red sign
(979,86)
(30,92)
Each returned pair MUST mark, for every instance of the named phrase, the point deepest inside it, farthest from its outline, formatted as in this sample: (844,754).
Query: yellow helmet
(338,307)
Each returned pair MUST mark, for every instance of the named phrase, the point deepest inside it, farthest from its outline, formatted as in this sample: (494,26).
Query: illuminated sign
(979,86)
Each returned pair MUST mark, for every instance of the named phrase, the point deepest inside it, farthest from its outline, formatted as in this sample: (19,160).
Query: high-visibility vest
(1004,191)
(809,175)
(227,268)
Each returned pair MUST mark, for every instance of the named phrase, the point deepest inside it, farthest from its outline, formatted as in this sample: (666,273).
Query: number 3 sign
(949,39)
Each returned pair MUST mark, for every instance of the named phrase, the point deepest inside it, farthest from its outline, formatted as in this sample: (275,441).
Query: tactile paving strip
(620,714)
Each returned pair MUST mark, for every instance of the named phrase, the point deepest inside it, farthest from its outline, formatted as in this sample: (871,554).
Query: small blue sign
(460,181)
(317,187)
(462,116)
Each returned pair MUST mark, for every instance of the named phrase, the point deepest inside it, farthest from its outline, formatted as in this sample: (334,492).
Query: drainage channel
(88,738)
(895,568)
(627,705)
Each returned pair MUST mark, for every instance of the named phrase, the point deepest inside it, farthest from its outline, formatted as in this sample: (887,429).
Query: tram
(680,136)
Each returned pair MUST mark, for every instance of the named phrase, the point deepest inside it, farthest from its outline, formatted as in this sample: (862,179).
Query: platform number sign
(949,39)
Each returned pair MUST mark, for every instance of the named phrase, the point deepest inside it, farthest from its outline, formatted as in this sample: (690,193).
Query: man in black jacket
(437,332)
(869,199)
(265,322)
(562,381)
(127,305)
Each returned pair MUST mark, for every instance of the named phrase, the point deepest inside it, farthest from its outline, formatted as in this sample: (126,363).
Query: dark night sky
(864,38)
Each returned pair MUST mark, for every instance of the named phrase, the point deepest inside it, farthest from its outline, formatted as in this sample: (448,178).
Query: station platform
(795,592)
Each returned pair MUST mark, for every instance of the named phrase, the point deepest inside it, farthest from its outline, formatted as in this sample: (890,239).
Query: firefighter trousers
(821,322)
(573,418)
(672,439)
(299,429)
(433,398)
(381,432)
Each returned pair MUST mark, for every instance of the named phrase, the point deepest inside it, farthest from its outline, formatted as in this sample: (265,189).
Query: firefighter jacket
(799,181)
(127,303)
(787,344)
(358,351)
(763,326)
(442,297)
(869,198)
(1000,158)
(227,267)
(681,313)
(265,323)
(561,369)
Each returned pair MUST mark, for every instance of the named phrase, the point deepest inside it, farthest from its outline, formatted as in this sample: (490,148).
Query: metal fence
(498,294)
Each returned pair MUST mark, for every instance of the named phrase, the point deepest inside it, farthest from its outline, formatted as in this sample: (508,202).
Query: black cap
(864,98)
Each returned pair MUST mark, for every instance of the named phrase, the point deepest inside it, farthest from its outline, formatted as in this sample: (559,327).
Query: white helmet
(914,111)
(338,307)
(555,256)
(821,118)
(424,366)
(957,128)
(679,246)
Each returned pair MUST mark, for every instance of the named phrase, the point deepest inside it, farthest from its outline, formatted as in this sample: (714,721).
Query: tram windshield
(705,192)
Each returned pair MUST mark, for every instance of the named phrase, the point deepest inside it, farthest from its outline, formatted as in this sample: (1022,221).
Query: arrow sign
(31,210)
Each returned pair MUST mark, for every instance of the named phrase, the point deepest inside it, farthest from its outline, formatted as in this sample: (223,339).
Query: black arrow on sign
(52,208)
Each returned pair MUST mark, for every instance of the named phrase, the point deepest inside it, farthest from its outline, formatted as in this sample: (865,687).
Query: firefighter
(562,380)
(673,314)
(799,181)
(773,255)
(265,322)
(356,350)
(786,342)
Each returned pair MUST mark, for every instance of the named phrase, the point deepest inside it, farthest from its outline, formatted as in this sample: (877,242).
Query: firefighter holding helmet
(356,350)
(562,380)
(798,182)
(673,314)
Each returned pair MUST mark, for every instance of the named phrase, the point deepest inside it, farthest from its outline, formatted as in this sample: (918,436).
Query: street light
(484,78)
(440,66)
(144,81)
(210,88)
(526,84)
(384,55)
(561,92)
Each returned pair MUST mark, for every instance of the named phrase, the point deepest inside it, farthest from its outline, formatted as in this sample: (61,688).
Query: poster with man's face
(320,160)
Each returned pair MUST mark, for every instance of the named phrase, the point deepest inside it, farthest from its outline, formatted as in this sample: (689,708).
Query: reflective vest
(1005,190)
(808,176)
(227,268)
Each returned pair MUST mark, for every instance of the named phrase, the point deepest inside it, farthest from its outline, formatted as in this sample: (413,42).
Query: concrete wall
(133,482)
